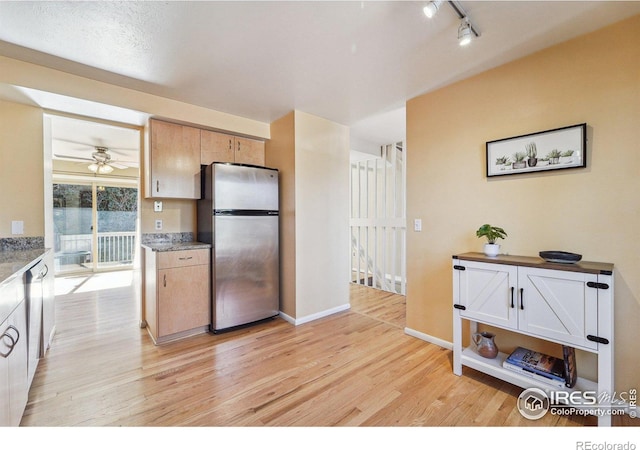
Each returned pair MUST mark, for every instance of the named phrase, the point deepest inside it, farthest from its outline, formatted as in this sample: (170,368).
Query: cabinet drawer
(181,258)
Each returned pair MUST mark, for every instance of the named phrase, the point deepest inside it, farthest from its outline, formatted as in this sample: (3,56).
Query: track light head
(432,8)
(465,34)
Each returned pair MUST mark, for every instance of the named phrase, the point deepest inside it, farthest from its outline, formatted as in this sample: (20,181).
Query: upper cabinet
(221,147)
(176,153)
(173,165)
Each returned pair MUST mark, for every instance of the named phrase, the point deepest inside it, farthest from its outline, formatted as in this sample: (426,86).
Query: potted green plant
(532,153)
(518,160)
(566,157)
(492,234)
(554,156)
(502,161)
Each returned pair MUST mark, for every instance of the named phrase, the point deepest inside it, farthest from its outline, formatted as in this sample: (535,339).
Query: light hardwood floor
(354,368)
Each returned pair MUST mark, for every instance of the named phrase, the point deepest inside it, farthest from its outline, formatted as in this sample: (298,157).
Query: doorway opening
(94,227)
(378,222)
(95,202)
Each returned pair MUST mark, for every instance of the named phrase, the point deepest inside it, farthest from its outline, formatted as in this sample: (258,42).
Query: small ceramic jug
(485,344)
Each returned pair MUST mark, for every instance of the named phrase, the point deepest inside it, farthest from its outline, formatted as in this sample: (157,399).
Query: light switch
(17,227)
(417,225)
(159,224)
(157,206)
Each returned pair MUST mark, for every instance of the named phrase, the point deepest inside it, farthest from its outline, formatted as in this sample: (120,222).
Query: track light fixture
(432,8)
(466,31)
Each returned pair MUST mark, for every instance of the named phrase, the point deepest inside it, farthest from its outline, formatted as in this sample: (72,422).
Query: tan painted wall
(280,154)
(21,169)
(312,155)
(593,211)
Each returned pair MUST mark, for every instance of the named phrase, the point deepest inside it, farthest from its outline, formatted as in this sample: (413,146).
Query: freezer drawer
(245,270)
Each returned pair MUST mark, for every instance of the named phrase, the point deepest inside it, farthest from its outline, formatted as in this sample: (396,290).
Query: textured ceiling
(346,61)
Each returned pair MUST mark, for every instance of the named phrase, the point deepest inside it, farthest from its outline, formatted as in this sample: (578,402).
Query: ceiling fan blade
(117,165)
(84,144)
(124,152)
(73,158)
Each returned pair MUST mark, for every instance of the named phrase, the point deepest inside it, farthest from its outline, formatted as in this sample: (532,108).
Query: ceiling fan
(101,161)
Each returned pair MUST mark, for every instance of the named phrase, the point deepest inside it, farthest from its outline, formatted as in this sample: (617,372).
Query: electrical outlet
(157,206)
(158,224)
(417,225)
(17,227)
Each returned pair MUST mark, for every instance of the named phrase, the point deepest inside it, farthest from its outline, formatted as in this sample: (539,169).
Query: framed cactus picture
(560,148)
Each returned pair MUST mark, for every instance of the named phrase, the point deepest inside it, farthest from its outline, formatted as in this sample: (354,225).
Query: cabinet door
(249,151)
(558,305)
(175,161)
(183,299)
(216,147)
(13,367)
(18,376)
(5,348)
(487,291)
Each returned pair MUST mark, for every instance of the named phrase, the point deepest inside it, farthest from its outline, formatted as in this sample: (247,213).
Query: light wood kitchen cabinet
(221,147)
(177,290)
(173,161)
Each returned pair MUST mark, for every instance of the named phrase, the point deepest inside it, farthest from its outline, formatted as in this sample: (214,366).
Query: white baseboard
(432,339)
(315,316)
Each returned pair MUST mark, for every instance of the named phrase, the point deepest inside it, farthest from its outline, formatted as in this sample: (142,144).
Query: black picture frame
(559,148)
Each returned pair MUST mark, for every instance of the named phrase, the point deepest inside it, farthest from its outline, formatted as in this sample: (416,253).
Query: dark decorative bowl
(560,257)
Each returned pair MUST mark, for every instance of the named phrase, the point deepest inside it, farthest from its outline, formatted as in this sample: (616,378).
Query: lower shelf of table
(493,367)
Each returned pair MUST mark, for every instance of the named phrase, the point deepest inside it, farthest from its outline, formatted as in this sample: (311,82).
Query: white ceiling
(354,63)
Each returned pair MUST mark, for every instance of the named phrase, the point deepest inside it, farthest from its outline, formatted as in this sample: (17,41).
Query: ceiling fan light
(464,32)
(93,167)
(105,169)
(432,8)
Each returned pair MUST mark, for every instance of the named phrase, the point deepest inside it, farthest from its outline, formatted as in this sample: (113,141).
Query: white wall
(322,214)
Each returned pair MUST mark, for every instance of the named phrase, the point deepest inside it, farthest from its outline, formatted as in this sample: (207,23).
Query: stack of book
(536,365)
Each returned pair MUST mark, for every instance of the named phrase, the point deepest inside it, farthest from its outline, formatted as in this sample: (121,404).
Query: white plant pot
(491,249)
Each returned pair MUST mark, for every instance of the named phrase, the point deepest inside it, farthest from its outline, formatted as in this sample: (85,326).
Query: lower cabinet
(570,305)
(14,387)
(177,287)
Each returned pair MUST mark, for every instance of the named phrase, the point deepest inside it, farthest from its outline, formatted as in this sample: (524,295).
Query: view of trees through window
(116,216)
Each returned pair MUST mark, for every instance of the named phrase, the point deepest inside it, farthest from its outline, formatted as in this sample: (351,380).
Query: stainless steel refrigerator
(238,215)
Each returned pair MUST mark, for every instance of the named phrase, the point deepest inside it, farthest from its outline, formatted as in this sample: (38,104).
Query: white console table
(569,304)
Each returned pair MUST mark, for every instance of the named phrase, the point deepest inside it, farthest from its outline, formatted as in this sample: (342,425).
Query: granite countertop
(174,246)
(15,262)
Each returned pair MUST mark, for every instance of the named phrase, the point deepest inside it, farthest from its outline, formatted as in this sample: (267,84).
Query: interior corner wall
(280,154)
(322,215)
(22,169)
(594,211)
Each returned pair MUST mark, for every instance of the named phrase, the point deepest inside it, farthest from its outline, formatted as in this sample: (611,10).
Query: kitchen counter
(15,262)
(175,246)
